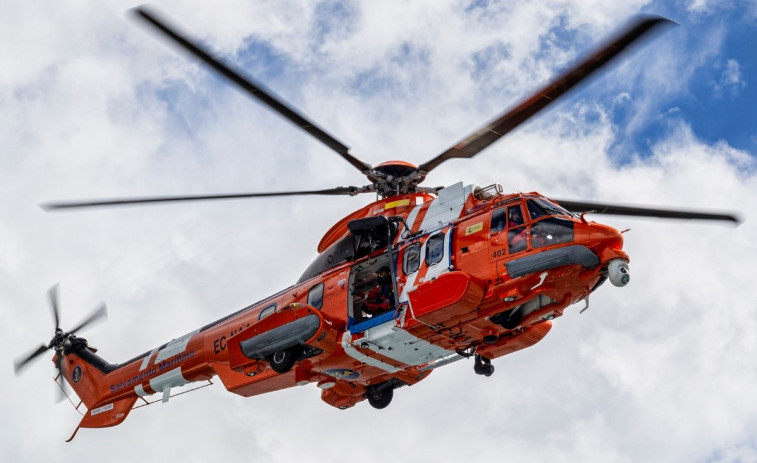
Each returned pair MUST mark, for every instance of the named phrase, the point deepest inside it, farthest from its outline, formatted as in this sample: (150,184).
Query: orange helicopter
(416,280)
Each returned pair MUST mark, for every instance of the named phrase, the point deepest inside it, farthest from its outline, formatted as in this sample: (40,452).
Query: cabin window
(435,249)
(267,311)
(315,296)
(412,258)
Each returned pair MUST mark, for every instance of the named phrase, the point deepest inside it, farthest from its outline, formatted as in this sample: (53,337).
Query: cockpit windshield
(540,207)
(551,223)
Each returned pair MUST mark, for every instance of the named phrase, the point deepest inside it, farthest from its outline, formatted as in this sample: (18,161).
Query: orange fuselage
(483,275)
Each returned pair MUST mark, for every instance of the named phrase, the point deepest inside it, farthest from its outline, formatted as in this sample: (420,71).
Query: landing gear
(483,366)
(380,397)
(283,360)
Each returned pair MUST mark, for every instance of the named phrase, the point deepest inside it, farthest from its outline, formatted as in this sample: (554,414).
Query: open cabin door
(372,281)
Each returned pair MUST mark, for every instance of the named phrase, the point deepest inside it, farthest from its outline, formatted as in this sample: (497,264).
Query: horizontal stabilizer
(106,415)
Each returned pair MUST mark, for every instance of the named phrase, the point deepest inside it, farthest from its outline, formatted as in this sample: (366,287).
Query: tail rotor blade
(60,380)
(59,343)
(52,294)
(20,363)
(99,313)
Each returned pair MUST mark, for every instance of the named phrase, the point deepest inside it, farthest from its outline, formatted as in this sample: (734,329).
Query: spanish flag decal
(476,227)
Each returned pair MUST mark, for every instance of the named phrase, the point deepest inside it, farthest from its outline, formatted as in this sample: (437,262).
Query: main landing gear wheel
(483,366)
(379,398)
(282,361)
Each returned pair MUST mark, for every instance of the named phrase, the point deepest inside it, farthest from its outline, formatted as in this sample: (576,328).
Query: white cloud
(731,78)
(659,370)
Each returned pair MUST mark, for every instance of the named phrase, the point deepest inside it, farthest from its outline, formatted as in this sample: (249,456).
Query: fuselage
(473,271)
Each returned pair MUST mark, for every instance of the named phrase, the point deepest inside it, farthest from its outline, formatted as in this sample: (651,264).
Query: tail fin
(87,374)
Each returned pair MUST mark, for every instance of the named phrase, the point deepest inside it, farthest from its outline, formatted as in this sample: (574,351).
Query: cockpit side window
(514,216)
(516,229)
(499,218)
(315,296)
(267,311)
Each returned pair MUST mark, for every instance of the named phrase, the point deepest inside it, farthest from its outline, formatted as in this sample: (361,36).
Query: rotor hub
(395,178)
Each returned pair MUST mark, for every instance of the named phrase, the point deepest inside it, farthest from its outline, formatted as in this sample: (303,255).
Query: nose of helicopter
(605,241)
(606,236)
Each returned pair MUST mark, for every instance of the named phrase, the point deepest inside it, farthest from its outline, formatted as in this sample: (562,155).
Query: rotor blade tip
(658,23)
(142,10)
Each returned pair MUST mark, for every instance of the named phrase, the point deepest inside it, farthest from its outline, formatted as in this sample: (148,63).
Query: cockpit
(531,222)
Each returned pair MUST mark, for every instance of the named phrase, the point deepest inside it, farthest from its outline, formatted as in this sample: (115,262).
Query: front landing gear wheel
(483,366)
(282,361)
(380,398)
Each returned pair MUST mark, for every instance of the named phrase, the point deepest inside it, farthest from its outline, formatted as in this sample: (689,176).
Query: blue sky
(719,99)
(94,106)
(714,98)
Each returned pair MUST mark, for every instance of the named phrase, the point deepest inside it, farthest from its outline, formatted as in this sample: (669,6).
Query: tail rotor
(61,339)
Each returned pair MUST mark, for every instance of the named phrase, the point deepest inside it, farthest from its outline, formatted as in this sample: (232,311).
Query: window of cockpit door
(498,234)
(517,231)
(508,231)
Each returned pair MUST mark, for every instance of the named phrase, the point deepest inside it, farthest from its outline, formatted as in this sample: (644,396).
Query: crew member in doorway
(380,298)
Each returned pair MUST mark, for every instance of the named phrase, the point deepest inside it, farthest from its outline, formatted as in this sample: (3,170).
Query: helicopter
(418,279)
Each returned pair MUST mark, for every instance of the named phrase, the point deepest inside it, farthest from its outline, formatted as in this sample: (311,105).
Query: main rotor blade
(350,190)
(493,131)
(52,294)
(20,363)
(100,312)
(249,85)
(640,211)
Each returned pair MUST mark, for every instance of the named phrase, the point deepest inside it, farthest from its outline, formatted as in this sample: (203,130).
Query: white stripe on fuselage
(394,343)
(146,361)
(175,347)
(446,207)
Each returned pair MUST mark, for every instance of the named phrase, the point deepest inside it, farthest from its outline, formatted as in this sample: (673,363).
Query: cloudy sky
(95,105)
